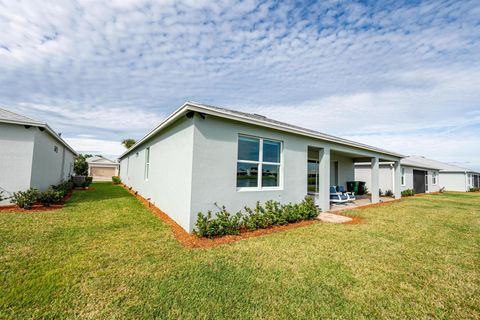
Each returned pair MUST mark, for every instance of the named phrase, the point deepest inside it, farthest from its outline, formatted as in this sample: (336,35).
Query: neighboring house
(202,155)
(32,155)
(101,168)
(422,175)
(452,177)
(416,175)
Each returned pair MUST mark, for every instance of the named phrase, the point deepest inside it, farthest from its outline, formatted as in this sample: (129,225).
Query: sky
(400,75)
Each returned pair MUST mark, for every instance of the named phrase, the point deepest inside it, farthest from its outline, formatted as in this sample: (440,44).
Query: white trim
(260,164)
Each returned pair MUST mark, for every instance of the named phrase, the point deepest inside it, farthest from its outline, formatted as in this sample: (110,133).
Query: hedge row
(272,213)
(54,194)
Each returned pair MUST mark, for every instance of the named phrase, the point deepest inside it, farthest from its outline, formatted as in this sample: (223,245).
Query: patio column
(375,178)
(324,179)
(397,180)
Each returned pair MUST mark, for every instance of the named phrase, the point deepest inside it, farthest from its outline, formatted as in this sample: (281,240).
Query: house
(417,175)
(452,177)
(101,168)
(32,155)
(423,175)
(203,155)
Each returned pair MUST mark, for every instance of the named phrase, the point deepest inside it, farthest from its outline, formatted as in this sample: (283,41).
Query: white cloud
(96,146)
(114,69)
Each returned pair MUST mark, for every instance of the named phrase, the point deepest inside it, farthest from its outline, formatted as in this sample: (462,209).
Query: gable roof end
(7,116)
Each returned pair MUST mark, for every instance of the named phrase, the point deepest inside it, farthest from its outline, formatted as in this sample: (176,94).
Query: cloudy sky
(400,75)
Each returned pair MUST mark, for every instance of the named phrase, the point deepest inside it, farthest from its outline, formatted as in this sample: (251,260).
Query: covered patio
(334,166)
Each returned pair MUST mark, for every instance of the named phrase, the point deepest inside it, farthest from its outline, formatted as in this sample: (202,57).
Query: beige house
(101,168)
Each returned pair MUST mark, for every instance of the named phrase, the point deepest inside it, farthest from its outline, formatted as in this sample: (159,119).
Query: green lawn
(105,256)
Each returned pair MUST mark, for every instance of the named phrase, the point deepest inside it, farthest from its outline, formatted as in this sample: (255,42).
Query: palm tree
(127,143)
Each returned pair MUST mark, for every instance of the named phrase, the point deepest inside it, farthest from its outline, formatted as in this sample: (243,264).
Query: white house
(452,177)
(31,154)
(101,168)
(417,175)
(422,175)
(202,155)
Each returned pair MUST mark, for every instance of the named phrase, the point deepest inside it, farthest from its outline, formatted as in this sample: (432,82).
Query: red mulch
(192,241)
(37,207)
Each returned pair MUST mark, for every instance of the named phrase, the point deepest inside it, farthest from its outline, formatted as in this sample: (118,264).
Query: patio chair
(337,197)
(350,195)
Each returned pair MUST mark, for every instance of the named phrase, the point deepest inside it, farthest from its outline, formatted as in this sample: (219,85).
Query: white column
(375,178)
(397,187)
(324,179)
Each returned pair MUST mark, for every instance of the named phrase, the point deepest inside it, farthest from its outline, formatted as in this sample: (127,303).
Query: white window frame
(434,178)
(403,177)
(147,162)
(260,164)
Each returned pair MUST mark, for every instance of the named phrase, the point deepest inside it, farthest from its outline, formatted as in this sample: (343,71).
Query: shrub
(64,187)
(270,214)
(1,196)
(25,199)
(50,196)
(408,193)
(88,181)
(389,193)
(380,192)
(80,165)
(474,189)
(116,180)
(224,223)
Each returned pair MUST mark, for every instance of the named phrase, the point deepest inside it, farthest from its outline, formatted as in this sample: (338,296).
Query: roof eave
(192,106)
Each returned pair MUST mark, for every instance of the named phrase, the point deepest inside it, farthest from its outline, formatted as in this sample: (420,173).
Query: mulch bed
(37,207)
(192,241)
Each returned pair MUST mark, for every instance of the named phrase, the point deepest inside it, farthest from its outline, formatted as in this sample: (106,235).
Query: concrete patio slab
(333,218)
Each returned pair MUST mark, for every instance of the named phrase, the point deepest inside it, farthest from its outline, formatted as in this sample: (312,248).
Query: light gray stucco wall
(215,165)
(170,174)
(385,176)
(49,167)
(16,153)
(453,181)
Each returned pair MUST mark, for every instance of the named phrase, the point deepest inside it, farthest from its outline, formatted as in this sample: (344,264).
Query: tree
(127,143)
(80,166)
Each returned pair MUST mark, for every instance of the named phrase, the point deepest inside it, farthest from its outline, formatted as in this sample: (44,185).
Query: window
(55,149)
(404,177)
(147,162)
(258,163)
(434,178)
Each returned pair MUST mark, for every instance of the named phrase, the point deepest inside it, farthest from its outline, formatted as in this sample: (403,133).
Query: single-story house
(203,155)
(415,174)
(101,168)
(452,177)
(32,155)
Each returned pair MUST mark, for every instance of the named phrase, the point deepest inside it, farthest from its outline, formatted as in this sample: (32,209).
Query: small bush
(380,192)
(88,181)
(2,197)
(224,223)
(474,189)
(389,193)
(408,193)
(116,180)
(64,188)
(50,196)
(25,199)
(270,214)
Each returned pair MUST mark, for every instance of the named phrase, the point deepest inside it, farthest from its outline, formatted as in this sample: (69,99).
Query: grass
(105,256)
